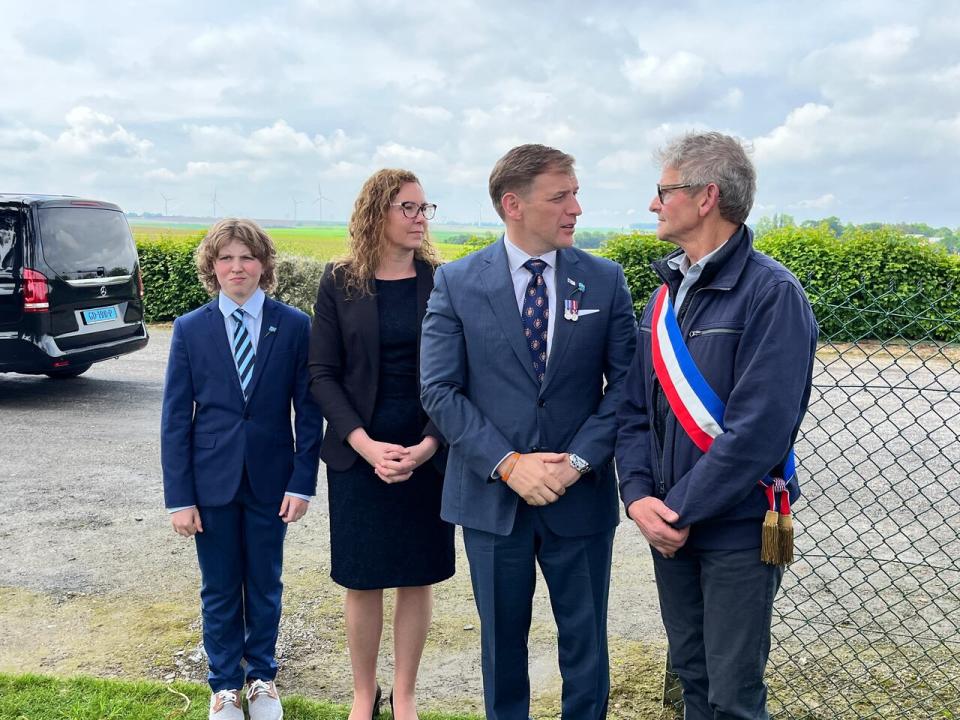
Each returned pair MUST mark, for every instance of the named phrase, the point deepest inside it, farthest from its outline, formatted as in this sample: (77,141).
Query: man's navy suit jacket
(209,433)
(478,386)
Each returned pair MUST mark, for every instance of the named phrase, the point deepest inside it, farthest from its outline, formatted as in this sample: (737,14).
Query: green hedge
(876,283)
(170,284)
(171,287)
(866,284)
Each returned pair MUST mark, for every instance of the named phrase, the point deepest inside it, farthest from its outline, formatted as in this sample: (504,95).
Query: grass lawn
(37,697)
(320,242)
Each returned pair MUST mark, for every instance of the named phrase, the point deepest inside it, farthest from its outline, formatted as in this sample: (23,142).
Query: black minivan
(70,287)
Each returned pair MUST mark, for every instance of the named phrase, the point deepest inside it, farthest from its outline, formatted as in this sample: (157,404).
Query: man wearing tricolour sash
(713,403)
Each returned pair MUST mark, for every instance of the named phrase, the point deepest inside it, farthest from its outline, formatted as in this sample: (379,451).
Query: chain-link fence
(867,624)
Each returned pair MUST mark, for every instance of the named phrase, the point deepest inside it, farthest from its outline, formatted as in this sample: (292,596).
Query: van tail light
(140,282)
(35,291)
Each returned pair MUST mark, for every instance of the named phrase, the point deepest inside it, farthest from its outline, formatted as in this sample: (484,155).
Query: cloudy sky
(852,108)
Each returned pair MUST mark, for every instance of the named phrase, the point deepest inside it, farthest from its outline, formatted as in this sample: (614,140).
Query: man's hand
(531,480)
(293,508)
(559,467)
(654,519)
(186,522)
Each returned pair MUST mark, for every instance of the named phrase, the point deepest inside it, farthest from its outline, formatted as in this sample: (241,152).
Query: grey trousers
(716,607)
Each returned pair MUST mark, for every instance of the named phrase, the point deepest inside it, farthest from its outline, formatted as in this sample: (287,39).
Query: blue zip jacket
(752,334)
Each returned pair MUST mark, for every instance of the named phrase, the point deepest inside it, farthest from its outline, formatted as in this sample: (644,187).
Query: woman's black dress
(385,535)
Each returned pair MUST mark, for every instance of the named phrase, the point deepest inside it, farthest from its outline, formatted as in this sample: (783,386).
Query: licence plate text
(99,315)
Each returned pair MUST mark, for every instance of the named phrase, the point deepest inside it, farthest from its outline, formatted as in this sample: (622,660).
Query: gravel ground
(92,578)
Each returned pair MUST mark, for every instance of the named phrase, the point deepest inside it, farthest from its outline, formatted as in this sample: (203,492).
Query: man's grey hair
(712,157)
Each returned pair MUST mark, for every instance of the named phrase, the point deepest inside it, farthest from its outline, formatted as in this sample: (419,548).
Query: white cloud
(624,161)
(90,132)
(666,80)
(22,139)
(162,174)
(278,140)
(883,48)
(429,113)
(395,154)
(818,203)
(796,139)
(855,100)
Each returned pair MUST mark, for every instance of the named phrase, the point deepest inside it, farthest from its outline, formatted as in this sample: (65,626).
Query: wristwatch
(579,464)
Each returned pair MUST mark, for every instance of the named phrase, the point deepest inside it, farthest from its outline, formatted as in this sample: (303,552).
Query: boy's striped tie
(243,353)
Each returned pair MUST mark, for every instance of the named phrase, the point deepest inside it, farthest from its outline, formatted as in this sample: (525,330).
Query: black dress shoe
(376,703)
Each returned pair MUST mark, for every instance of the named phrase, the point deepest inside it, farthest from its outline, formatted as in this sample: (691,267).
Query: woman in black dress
(383,476)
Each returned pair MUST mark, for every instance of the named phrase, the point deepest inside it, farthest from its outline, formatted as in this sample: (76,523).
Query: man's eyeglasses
(661,189)
(411,209)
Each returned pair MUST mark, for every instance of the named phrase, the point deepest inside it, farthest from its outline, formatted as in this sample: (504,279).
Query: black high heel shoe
(376,702)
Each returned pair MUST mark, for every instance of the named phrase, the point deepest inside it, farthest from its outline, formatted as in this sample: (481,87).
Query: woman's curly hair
(367,231)
(225,232)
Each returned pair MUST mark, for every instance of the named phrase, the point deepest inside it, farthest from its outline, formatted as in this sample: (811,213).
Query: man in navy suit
(234,476)
(525,347)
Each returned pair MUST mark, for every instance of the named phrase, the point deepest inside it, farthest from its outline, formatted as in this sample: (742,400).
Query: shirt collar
(517,257)
(682,262)
(253,306)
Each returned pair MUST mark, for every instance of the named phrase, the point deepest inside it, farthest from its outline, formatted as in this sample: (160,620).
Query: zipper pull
(694,333)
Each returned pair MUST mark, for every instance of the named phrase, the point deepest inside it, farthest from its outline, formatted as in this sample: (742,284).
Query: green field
(320,242)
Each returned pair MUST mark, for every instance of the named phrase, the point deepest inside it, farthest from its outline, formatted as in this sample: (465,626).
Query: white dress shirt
(521,279)
(252,316)
(691,273)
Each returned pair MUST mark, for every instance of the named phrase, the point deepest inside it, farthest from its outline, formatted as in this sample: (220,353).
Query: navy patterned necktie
(536,316)
(243,354)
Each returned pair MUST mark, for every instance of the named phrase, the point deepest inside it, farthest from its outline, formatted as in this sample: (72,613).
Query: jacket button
(246,416)
(541,403)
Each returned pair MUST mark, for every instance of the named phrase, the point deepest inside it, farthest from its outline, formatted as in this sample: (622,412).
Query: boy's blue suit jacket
(209,433)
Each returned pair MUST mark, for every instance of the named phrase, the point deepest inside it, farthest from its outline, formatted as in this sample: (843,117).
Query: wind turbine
(166,200)
(214,203)
(320,199)
(296,204)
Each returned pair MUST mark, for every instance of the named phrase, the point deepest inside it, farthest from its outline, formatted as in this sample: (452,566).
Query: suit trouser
(717,607)
(577,572)
(241,559)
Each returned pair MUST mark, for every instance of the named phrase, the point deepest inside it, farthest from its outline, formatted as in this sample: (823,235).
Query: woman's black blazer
(345,361)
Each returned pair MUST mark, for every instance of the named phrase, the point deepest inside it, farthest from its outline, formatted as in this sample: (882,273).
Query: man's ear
(711,199)
(512,206)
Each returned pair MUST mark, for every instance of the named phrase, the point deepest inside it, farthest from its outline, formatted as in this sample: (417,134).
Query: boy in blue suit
(234,476)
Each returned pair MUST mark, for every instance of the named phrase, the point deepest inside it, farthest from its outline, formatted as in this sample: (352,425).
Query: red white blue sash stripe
(696,406)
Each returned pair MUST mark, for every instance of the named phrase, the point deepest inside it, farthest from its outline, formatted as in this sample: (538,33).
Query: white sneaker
(263,701)
(225,705)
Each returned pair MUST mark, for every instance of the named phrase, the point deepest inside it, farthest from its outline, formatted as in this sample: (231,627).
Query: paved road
(83,527)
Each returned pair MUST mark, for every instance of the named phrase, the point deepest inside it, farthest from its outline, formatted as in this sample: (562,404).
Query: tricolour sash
(699,411)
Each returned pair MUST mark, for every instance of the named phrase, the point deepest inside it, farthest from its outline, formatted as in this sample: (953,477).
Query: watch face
(579,464)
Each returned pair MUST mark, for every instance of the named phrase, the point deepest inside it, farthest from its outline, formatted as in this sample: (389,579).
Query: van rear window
(8,236)
(87,242)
